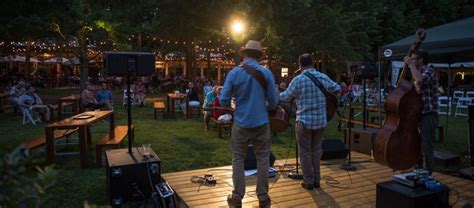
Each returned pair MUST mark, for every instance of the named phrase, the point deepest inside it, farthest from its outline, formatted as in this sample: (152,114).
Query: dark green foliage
(24,185)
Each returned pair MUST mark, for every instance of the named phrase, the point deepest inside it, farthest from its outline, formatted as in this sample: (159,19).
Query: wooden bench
(38,141)
(221,124)
(113,142)
(159,105)
(5,107)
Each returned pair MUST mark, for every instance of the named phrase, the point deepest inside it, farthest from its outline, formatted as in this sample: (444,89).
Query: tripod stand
(131,67)
(347,164)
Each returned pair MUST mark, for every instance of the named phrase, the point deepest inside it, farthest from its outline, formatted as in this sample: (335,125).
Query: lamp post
(238,28)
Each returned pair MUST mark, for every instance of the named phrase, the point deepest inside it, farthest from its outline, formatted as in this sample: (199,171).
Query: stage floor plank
(339,188)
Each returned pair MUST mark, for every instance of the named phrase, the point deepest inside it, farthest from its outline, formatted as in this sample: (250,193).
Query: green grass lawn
(181,145)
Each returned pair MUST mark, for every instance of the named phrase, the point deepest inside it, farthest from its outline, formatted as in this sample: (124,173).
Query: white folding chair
(29,116)
(444,105)
(457,95)
(461,106)
(470,94)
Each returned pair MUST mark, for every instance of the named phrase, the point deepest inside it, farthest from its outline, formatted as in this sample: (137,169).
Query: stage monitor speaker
(128,175)
(362,140)
(471,132)
(333,149)
(137,63)
(251,161)
(394,195)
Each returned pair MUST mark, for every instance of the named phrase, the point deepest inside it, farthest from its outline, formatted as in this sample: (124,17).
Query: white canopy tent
(57,60)
(397,65)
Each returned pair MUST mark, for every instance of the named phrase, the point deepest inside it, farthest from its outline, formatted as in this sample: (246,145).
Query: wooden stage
(355,188)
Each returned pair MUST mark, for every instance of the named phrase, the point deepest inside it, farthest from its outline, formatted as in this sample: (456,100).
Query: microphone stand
(131,68)
(295,175)
(348,166)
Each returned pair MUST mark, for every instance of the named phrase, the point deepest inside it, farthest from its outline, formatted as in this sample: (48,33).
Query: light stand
(347,165)
(131,66)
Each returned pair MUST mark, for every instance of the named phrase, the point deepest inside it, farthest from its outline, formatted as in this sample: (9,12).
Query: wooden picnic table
(3,97)
(75,99)
(3,103)
(228,110)
(171,97)
(84,132)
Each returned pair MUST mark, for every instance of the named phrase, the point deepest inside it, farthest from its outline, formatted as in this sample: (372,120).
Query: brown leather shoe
(265,203)
(234,201)
(307,186)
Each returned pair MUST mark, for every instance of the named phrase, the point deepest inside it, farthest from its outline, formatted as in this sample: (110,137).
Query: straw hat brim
(243,51)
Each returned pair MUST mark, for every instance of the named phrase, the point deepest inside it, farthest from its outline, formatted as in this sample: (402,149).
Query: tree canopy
(334,31)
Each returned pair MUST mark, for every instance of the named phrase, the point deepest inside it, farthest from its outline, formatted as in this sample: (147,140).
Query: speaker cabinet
(128,175)
(251,160)
(333,149)
(362,140)
(137,63)
(394,195)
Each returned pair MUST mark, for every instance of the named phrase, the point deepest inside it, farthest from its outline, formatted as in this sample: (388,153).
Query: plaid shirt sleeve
(330,85)
(290,92)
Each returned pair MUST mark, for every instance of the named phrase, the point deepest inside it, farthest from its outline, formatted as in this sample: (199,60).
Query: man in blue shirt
(251,123)
(310,117)
(104,96)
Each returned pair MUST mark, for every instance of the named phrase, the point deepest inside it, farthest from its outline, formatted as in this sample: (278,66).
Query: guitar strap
(257,75)
(317,83)
(321,87)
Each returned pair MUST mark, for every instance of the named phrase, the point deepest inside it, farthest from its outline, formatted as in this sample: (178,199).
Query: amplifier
(333,149)
(392,194)
(128,175)
(362,140)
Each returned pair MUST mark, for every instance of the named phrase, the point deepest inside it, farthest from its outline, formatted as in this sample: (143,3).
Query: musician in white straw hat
(254,89)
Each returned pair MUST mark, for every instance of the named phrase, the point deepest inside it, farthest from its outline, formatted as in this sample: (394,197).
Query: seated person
(104,95)
(208,105)
(282,87)
(193,97)
(139,90)
(219,114)
(30,100)
(16,91)
(88,98)
(207,87)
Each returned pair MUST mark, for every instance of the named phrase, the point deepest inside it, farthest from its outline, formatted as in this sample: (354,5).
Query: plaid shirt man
(310,101)
(429,90)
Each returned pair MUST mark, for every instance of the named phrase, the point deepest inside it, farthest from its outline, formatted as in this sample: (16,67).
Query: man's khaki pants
(240,139)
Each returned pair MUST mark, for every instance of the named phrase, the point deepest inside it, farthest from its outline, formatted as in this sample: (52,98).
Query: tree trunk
(83,62)
(189,61)
(139,42)
(28,59)
(208,56)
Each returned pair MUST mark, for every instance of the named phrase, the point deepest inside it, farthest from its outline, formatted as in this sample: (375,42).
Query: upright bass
(398,143)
